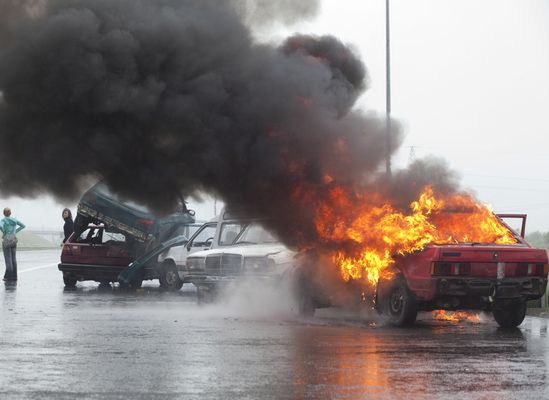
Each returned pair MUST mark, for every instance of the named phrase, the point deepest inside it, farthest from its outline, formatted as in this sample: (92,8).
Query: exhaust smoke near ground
(255,299)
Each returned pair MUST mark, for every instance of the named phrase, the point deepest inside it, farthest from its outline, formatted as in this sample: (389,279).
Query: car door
(200,240)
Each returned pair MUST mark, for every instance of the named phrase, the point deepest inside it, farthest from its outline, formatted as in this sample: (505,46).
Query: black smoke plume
(163,98)
(407,184)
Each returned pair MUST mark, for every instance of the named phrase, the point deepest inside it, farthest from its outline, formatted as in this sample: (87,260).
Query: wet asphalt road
(107,344)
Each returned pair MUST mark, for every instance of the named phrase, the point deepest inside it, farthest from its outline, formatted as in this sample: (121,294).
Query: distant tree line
(538,239)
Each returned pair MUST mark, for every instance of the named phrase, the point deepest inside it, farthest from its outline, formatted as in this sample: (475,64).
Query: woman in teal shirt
(9,227)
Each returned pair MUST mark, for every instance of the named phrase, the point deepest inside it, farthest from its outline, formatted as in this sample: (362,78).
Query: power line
(514,189)
(453,148)
(529,206)
(506,177)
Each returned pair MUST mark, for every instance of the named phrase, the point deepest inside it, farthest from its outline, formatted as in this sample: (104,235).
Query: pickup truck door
(198,241)
(201,240)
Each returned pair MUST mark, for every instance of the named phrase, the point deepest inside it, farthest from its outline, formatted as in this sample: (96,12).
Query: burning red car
(498,278)
(448,253)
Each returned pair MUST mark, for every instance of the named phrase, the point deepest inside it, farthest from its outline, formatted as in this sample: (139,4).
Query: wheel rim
(396,302)
(171,277)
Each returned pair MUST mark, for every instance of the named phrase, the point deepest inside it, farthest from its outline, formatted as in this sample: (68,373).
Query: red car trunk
(425,270)
(102,254)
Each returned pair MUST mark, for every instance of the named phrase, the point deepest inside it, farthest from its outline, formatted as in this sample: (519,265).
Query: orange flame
(380,232)
(455,316)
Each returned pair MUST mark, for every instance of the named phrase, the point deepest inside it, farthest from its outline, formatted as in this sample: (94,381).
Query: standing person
(68,227)
(10,227)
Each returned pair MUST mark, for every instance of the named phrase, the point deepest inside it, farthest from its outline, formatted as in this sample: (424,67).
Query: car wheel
(510,314)
(399,304)
(169,278)
(69,281)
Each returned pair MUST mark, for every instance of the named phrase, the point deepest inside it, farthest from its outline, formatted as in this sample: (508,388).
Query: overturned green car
(109,234)
(100,205)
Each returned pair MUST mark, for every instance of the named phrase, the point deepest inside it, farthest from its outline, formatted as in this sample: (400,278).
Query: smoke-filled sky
(469,85)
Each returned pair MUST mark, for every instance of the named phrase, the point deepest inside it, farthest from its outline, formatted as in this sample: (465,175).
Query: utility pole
(387,91)
(412,155)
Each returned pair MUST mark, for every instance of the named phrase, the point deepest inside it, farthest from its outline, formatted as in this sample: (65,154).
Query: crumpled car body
(100,205)
(140,231)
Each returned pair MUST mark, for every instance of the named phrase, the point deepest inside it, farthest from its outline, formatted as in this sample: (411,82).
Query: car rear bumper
(507,288)
(90,272)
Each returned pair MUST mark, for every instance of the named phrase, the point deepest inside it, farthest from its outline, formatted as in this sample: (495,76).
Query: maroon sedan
(98,254)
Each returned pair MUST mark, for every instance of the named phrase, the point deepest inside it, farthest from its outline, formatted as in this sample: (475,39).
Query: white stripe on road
(39,267)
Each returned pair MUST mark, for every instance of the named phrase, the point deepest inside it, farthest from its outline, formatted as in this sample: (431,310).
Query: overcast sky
(470,84)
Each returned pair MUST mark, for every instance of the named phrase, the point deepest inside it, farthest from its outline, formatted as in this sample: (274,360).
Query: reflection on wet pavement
(104,343)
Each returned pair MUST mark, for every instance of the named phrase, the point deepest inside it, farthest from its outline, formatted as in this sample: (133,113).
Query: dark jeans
(11,264)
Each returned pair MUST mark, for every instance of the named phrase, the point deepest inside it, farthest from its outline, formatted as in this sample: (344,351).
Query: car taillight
(440,268)
(526,269)
(144,221)
(538,269)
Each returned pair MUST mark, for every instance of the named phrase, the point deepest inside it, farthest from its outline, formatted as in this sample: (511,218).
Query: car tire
(399,305)
(69,281)
(169,277)
(510,314)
